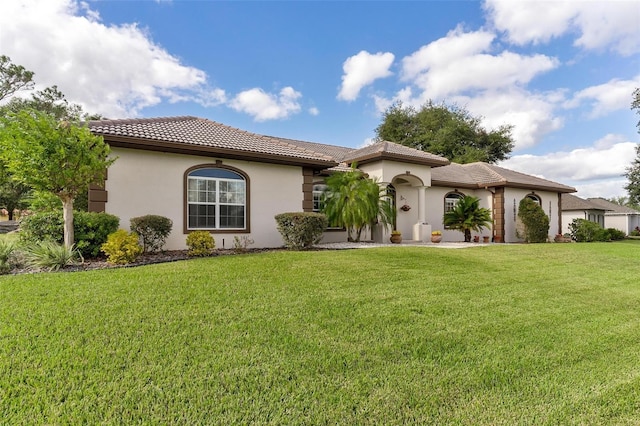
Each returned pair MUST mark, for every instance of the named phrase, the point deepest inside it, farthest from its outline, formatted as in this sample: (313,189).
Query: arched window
(216,199)
(451,199)
(535,197)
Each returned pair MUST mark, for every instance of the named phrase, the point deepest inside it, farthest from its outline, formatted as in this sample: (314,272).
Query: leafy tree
(356,202)
(13,78)
(535,221)
(467,216)
(49,155)
(635,104)
(449,131)
(633,175)
(51,101)
(633,171)
(12,193)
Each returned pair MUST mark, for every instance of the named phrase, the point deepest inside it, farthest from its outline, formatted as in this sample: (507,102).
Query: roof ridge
(108,122)
(487,167)
(298,148)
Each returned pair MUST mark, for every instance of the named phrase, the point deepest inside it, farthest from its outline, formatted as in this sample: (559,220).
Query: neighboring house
(616,216)
(204,175)
(578,208)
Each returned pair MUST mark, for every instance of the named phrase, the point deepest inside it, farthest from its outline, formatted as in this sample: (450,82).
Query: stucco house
(601,211)
(204,175)
(574,207)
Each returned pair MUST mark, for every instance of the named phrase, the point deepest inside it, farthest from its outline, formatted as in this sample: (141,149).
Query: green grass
(499,335)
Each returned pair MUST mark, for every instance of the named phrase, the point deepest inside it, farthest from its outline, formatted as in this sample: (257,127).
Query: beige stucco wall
(435,210)
(387,170)
(620,222)
(568,217)
(144,182)
(512,198)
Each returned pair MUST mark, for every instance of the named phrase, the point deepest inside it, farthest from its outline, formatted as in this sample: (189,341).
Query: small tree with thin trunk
(54,156)
(355,202)
(467,216)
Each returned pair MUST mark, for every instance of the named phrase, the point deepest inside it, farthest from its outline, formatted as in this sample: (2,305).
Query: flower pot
(497,239)
(476,239)
(396,238)
(436,238)
(485,239)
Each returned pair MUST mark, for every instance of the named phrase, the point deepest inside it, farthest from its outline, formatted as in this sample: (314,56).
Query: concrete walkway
(445,245)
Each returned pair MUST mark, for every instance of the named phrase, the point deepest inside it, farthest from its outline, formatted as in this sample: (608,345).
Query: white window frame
(217,203)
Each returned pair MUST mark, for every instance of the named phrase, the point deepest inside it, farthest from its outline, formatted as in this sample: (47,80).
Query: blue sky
(561,72)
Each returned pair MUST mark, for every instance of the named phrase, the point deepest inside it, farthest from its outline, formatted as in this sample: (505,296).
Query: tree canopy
(448,131)
(51,101)
(356,202)
(633,171)
(46,154)
(13,77)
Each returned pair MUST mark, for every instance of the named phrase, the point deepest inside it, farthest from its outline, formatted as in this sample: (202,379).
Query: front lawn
(504,334)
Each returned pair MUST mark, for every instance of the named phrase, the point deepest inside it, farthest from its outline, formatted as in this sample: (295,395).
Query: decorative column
(422,230)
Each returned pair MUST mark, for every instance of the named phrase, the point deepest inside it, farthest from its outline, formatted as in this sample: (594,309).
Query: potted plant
(436,236)
(396,236)
(476,238)
(485,239)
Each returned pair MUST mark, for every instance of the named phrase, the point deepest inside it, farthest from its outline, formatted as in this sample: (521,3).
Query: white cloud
(456,45)
(604,98)
(266,106)
(461,68)
(599,24)
(532,115)
(112,70)
(598,167)
(314,111)
(462,61)
(361,70)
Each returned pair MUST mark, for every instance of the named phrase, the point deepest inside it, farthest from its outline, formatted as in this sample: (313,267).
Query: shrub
(200,243)
(50,255)
(153,231)
(91,229)
(635,232)
(534,220)
(7,249)
(301,230)
(615,234)
(584,231)
(240,244)
(122,247)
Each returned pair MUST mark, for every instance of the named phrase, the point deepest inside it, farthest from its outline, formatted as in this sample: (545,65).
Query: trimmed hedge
(122,247)
(200,243)
(90,229)
(153,231)
(535,221)
(301,230)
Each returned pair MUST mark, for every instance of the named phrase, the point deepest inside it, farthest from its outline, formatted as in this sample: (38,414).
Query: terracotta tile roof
(612,208)
(385,150)
(480,175)
(197,133)
(333,151)
(205,137)
(572,202)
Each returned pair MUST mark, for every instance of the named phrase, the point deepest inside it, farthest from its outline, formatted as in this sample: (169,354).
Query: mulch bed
(145,259)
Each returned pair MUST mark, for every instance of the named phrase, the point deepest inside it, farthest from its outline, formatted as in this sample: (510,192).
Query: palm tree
(356,202)
(467,216)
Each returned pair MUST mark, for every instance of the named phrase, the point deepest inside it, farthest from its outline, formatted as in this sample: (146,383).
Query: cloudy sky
(561,72)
